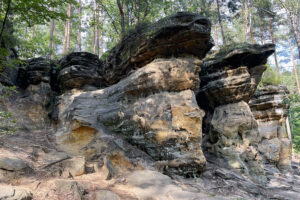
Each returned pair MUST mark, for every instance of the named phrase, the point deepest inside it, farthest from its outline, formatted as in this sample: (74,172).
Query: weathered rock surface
(84,150)
(232,74)
(153,108)
(79,69)
(35,71)
(269,109)
(233,135)
(12,164)
(178,35)
(13,193)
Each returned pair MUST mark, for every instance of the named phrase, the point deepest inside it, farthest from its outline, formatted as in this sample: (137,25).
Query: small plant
(7,123)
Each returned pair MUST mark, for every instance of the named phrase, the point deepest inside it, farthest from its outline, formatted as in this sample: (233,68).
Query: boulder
(79,69)
(270,111)
(73,167)
(232,74)
(181,34)
(12,163)
(69,190)
(154,108)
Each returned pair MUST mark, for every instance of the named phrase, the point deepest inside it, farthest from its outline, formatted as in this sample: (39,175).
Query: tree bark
(122,17)
(67,31)
(294,26)
(79,26)
(274,42)
(216,34)
(220,22)
(101,40)
(295,68)
(51,35)
(5,19)
(96,29)
(261,34)
(245,15)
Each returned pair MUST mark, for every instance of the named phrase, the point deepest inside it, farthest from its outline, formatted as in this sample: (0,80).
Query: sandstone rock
(146,184)
(106,195)
(79,69)
(269,109)
(153,108)
(73,167)
(36,70)
(233,134)
(12,163)
(177,35)
(13,193)
(232,74)
(69,190)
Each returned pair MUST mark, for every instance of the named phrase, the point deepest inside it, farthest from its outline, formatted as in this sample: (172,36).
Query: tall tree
(295,68)
(67,30)
(220,22)
(245,16)
(292,8)
(122,17)
(51,35)
(274,42)
(79,26)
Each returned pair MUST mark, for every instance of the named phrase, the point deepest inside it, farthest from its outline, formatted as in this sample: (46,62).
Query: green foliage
(294,117)
(270,77)
(7,123)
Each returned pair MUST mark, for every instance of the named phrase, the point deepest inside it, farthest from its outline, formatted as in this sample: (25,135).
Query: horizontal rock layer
(270,110)
(153,108)
(232,74)
(177,35)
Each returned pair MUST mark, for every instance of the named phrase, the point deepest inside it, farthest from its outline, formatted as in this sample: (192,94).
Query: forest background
(54,28)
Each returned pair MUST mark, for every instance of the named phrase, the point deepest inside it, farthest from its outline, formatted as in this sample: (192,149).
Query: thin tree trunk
(69,26)
(67,31)
(245,15)
(216,34)
(273,41)
(261,34)
(51,35)
(251,28)
(101,41)
(79,26)
(122,17)
(96,29)
(220,22)
(295,68)
(295,26)
(5,19)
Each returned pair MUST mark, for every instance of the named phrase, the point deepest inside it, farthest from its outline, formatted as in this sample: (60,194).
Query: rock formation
(177,35)
(77,70)
(154,108)
(91,129)
(228,80)
(270,111)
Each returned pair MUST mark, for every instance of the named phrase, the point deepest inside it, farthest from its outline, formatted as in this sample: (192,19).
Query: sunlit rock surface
(154,108)
(269,108)
(181,34)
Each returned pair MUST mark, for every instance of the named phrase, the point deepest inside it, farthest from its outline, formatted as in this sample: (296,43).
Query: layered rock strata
(270,111)
(154,108)
(228,80)
(77,70)
(177,35)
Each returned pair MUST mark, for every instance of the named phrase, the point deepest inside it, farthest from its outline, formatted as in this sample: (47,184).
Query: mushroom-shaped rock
(79,69)
(232,74)
(180,34)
